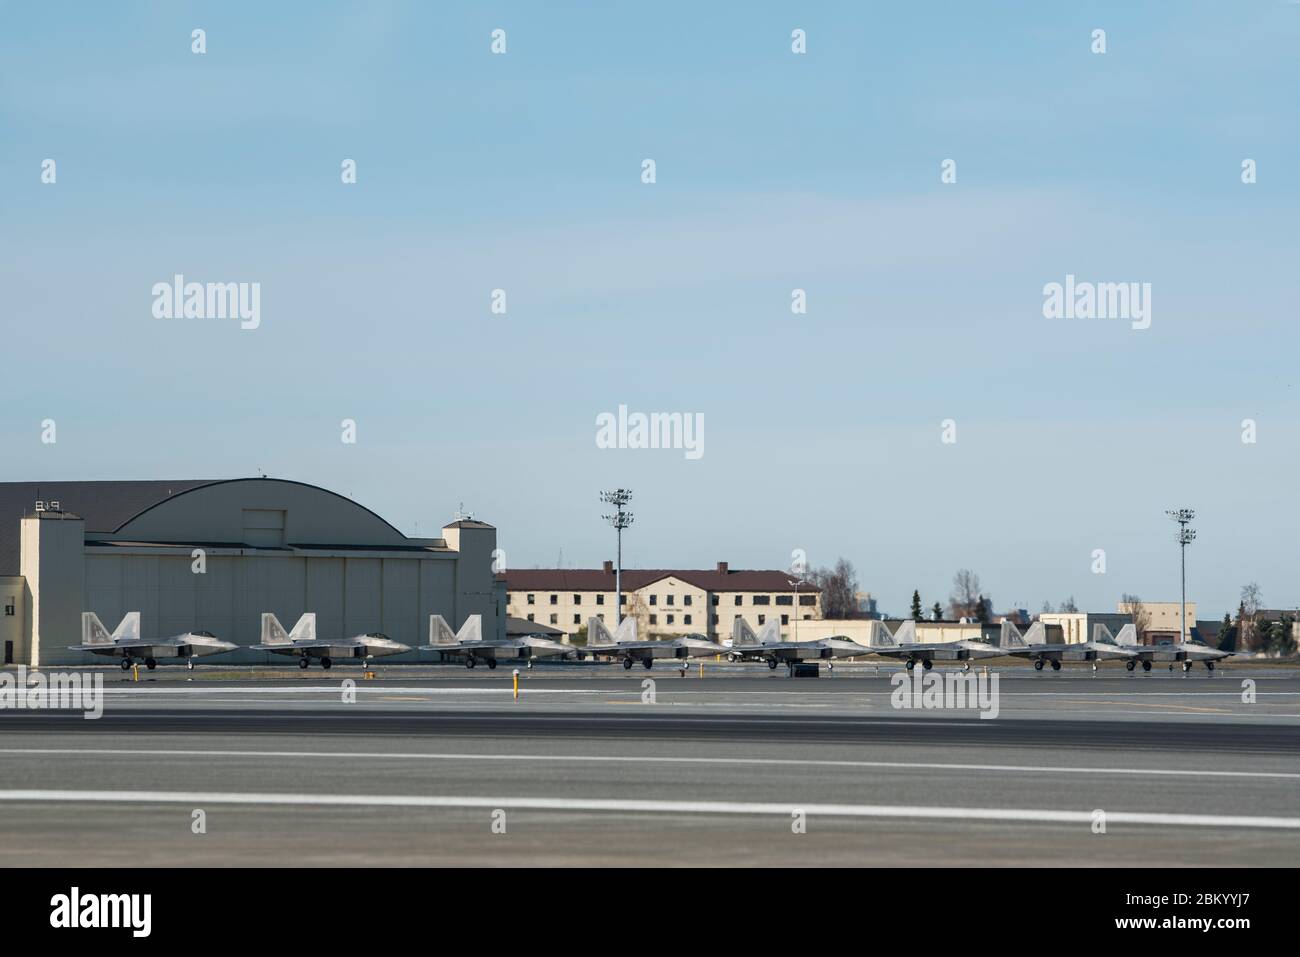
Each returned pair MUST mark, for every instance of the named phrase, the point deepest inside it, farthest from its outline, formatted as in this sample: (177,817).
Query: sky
(522,171)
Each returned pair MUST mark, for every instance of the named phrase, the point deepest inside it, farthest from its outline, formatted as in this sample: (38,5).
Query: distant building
(664,601)
(1076,626)
(866,604)
(1164,621)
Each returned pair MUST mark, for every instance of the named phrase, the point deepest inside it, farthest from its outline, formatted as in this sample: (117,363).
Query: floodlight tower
(1186,535)
(620,519)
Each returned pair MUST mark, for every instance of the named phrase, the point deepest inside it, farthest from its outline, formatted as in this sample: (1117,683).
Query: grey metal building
(214,555)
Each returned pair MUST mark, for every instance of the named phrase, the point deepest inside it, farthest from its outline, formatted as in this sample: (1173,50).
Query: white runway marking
(648,759)
(200,798)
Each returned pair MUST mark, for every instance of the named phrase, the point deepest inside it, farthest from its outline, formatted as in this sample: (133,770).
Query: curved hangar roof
(200,512)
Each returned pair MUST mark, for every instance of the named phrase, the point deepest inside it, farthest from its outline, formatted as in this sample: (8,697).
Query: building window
(670,599)
(577,599)
(654,599)
(670,619)
(622,600)
(740,599)
(555,599)
(555,619)
(9,607)
(532,599)
(715,601)
(530,616)
(686,619)
(807,599)
(654,619)
(715,619)
(577,619)
(762,600)
(686,599)
(785,599)
(762,619)
(600,600)
(785,619)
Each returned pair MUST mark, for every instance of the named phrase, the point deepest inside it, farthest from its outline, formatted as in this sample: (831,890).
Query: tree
(916,606)
(1228,634)
(936,613)
(982,610)
(1139,612)
(966,596)
(1069,607)
(1047,608)
(839,586)
(1247,614)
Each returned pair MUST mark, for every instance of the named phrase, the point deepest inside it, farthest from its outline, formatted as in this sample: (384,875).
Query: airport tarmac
(742,766)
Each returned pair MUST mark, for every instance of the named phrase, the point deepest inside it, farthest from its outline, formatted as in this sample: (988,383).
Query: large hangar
(214,555)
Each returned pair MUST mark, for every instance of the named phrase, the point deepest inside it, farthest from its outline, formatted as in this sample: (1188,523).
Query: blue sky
(775,172)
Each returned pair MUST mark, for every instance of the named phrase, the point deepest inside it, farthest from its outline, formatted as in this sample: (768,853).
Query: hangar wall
(261,545)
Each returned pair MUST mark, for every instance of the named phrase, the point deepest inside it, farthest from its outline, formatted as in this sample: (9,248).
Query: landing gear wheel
(771,663)
(1209,666)
(648,662)
(325,662)
(150,663)
(1130,664)
(1146,666)
(927,664)
(965,667)
(627,664)
(492,664)
(1056,666)
(470,661)
(303,663)
(1187,666)
(1038,665)
(1171,666)
(126,664)
(910,664)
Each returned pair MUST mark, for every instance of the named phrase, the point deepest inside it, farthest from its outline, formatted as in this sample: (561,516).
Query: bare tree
(1139,612)
(838,586)
(1069,607)
(1252,600)
(966,599)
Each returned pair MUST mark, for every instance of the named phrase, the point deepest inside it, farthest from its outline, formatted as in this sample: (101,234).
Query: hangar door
(264,527)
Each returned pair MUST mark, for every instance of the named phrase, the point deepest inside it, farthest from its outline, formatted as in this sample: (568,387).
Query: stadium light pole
(1186,535)
(620,519)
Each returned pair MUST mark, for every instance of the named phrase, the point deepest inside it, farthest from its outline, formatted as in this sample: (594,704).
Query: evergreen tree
(916,606)
(936,613)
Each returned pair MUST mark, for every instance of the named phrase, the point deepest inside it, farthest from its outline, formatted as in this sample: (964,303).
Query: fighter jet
(904,645)
(768,646)
(623,644)
(469,641)
(125,642)
(303,644)
(1188,652)
(1031,645)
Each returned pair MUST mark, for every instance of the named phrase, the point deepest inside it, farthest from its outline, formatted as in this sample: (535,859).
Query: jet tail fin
(880,636)
(742,636)
(1127,635)
(93,631)
(1010,636)
(906,634)
(471,630)
(273,632)
(770,633)
(626,630)
(128,627)
(440,632)
(1037,634)
(597,633)
(1101,635)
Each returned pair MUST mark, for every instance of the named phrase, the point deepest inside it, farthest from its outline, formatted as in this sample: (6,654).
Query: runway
(733,768)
